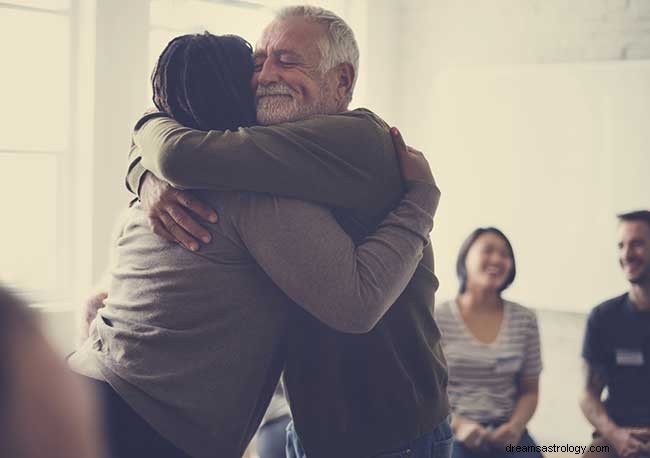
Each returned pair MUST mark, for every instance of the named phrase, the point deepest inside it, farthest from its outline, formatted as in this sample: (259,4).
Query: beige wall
(532,115)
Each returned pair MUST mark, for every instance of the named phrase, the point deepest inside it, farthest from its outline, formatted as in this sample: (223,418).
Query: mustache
(272,89)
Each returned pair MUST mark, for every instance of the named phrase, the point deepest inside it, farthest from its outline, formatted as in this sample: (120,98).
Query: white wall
(532,115)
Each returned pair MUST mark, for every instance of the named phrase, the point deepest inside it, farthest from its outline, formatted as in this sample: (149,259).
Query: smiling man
(617,351)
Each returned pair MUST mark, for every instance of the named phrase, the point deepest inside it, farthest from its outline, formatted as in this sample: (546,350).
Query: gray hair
(339,45)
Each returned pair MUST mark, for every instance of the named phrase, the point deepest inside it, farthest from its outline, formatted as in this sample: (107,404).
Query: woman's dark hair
(203,81)
(461,268)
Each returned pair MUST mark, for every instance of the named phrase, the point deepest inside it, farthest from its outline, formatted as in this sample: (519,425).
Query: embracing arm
(333,160)
(309,256)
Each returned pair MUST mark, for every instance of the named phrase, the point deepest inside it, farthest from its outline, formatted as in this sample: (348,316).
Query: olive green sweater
(352,395)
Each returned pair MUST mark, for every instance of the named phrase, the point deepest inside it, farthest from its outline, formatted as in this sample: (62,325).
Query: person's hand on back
(88,314)
(413,164)
(167,208)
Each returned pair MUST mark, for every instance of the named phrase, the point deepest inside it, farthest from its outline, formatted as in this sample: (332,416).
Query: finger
(178,233)
(159,229)
(184,220)
(189,201)
(398,141)
(640,436)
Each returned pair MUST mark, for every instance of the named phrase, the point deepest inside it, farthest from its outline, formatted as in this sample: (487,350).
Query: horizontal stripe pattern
(483,378)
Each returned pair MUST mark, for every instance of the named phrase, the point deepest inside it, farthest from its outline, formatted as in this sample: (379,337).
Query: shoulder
(608,309)
(372,123)
(521,311)
(367,116)
(521,315)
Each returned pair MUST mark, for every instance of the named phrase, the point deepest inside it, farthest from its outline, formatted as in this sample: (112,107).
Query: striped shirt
(483,377)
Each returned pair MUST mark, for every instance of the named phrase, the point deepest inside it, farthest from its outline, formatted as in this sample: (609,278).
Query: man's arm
(333,160)
(309,256)
(591,404)
(627,441)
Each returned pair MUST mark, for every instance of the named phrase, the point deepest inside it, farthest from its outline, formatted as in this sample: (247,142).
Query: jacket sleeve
(312,260)
(335,160)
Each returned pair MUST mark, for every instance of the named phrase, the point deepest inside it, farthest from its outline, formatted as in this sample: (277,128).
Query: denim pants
(436,444)
(460,451)
(271,439)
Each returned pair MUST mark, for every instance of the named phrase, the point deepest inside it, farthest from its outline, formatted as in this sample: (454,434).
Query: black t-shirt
(617,345)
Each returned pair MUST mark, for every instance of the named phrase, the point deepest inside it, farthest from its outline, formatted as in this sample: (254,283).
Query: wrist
(608,430)
(425,195)
(517,425)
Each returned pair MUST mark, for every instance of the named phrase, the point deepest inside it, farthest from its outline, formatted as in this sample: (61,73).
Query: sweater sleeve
(335,160)
(307,254)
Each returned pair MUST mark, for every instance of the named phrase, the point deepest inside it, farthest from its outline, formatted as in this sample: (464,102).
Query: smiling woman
(492,349)
(46,411)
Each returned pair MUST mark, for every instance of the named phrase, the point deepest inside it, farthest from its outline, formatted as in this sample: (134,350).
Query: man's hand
(412,162)
(472,435)
(506,434)
(643,434)
(628,442)
(167,217)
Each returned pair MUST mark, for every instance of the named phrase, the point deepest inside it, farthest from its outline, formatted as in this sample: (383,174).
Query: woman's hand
(412,162)
(472,435)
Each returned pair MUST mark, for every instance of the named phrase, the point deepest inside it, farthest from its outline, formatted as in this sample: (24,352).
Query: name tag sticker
(627,357)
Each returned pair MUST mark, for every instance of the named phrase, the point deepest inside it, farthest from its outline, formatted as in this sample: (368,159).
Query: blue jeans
(436,444)
(271,441)
(460,451)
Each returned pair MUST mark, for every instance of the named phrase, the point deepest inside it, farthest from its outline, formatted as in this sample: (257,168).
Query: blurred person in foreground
(616,352)
(493,351)
(46,410)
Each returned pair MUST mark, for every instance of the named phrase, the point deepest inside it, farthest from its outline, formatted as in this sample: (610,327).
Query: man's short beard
(641,279)
(284,108)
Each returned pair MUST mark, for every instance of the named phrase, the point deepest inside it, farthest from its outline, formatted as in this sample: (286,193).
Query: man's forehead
(294,34)
(634,230)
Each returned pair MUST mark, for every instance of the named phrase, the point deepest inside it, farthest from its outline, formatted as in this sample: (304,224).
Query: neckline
(632,308)
(455,307)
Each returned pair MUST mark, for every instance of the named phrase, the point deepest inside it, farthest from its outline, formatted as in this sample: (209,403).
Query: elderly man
(351,396)
(617,352)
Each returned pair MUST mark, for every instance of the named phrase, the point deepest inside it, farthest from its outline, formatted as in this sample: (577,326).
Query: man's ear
(345,76)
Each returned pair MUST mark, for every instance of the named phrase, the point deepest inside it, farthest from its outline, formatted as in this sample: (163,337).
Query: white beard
(275,109)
